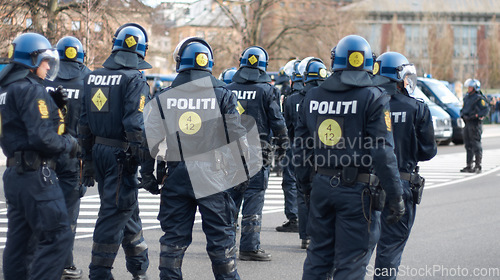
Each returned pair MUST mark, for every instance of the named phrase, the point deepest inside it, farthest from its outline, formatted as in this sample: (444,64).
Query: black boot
(467,169)
(289,226)
(477,167)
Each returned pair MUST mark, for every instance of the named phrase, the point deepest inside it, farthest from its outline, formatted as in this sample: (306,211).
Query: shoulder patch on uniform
(483,103)
(42,107)
(387,117)
(142,103)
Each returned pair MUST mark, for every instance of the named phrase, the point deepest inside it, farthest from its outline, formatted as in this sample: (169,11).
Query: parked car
(438,93)
(441,120)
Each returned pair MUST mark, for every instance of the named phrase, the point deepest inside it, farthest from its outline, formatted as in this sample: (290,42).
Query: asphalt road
(455,234)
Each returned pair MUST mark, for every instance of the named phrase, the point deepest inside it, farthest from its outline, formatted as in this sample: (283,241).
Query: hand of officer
(88,174)
(73,148)
(60,96)
(282,144)
(161,172)
(396,208)
(149,183)
(139,153)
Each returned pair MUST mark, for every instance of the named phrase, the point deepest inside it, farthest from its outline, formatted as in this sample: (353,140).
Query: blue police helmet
(291,69)
(254,57)
(30,49)
(388,65)
(312,69)
(193,53)
(131,37)
(475,84)
(70,49)
(352,52)
(227,75)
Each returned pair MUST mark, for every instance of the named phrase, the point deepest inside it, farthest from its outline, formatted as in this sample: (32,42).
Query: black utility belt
(349,175)
(111,142)
(29,161)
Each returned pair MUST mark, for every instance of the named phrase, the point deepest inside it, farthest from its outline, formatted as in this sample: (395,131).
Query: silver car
(441,120)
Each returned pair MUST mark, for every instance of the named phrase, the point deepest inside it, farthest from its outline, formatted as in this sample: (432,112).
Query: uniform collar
(247,74)
(123,59)
(197,78)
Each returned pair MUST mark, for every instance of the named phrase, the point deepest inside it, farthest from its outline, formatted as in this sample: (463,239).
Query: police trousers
(177,216)
(253,203)
(393,238)
(343,230)
(35,206)
(289,187)
(472,140)
(68,173)
(118,221)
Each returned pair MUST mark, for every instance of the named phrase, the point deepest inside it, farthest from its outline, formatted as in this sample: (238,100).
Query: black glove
(88,173)
(241,187)
(282,144)
(161,172)
(60,96)
(139,153)
(149,183)
(74,148)
(396,208)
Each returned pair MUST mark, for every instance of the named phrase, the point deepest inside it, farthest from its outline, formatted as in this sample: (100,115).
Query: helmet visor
(408,73)
(51,57)
(303,64)
(289,67)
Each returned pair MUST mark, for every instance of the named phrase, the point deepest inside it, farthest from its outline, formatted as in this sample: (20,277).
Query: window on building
(75,25)
(465,41)
(416,37)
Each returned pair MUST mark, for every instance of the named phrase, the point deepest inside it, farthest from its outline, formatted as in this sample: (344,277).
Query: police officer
(413,134)
(31,139)
(257,98)
(70,78)
(288,183)
(227,75)
(283,80)
(313,72)
(345,130)
(475,109)
(195,136)
(111,131)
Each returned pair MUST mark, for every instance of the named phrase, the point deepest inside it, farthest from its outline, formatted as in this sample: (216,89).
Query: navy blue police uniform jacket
(413,129)
(346,122)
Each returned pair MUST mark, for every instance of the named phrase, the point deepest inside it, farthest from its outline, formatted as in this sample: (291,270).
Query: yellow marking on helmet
(202,59)
(70,52)
(11,51)
(130,41)
(322,73)
(376,68)
(356,59)
(253,60)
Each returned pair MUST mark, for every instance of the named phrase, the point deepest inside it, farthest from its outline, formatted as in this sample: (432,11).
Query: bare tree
(286,29)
